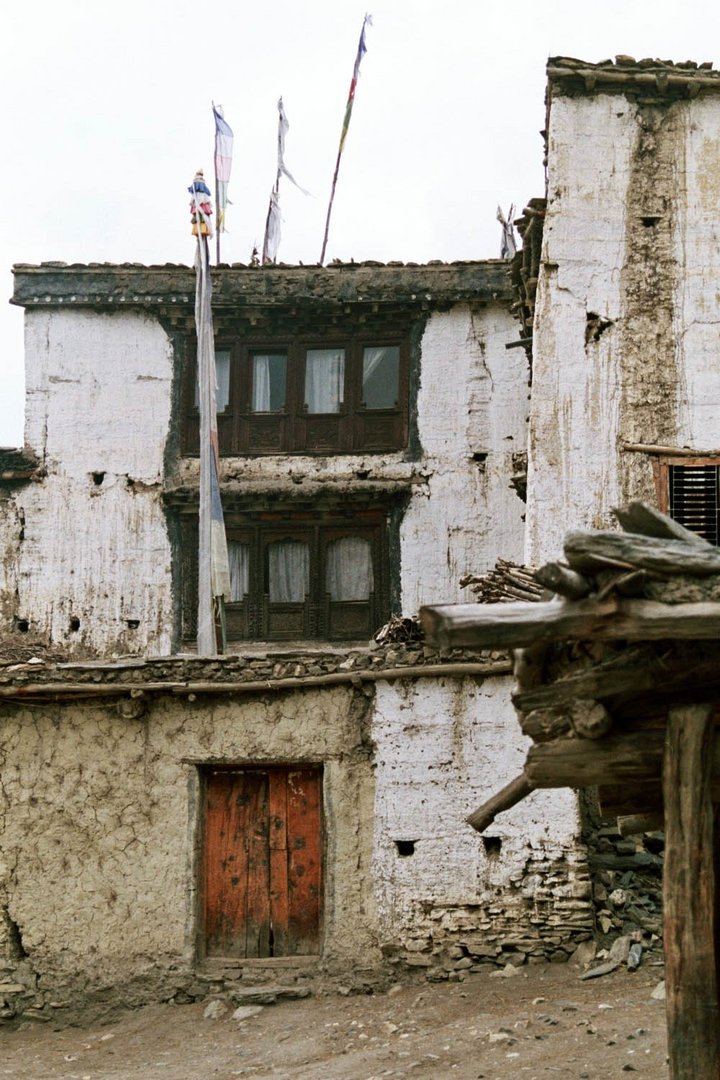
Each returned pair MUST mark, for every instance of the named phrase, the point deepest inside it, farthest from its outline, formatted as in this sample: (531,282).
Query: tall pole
(330,206)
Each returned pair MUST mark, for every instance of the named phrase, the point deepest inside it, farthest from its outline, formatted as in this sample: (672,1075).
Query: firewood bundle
(504,584)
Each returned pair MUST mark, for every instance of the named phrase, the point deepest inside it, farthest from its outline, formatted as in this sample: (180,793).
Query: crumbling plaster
(98,417)
(99,827)
(98,412)
(630,238)
(443,747)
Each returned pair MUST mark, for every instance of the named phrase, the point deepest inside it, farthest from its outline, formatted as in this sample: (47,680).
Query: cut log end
(513,793)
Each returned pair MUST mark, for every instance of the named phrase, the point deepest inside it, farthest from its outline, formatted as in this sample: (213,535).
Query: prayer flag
(223,162)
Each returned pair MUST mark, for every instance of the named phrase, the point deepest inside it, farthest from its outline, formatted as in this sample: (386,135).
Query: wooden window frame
(661,473)
(318,618)
(354,429)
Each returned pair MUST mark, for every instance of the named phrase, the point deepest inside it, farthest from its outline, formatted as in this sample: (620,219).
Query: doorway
(262,861)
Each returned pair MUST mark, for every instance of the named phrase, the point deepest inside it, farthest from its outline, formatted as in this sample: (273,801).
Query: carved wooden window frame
(255,618)
(354,429)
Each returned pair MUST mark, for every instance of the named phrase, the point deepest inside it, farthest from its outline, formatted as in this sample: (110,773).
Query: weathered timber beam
(563,581)
(668,451)
(639,798)
(513,793)
(645,679)
(619,758)
(693,1012)
(591,551)
(641,518)
(332,678)
(514,625)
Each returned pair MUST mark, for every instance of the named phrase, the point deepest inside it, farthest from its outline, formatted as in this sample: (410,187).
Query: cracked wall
(98,416)
(98,835)
(444,746)
(630,239)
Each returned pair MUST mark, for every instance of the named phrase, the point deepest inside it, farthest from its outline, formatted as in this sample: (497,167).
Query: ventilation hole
(22,625)
(98,478)
(74,624)
(405,848)
(481,455)
(492,845)
(648,222)
(132,624)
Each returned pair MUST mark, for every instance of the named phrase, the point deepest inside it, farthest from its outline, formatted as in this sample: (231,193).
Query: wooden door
(262,862)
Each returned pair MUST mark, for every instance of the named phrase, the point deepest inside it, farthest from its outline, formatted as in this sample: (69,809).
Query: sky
(107,116)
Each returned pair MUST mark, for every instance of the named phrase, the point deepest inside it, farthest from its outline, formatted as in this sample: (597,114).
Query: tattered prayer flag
(508,247)
(362,49)
(283,128)
(271,242)
(223,162)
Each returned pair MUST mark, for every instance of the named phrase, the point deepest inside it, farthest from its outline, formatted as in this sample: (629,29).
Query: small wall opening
(132,624)
(74,624)
(492,845)
(405,848)
(98,478)
(22,625)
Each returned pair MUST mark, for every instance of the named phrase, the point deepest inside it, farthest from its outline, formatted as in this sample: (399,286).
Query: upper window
(303,396)
(689,491)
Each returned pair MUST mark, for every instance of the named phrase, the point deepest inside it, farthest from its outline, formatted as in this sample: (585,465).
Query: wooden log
(563,581)
(640,517)
(693,1012)
(590,551)
(619,758)
(590,719)
(543,725)
(634,824)
(597,682)
(513,625)
(509,796)
(668,451)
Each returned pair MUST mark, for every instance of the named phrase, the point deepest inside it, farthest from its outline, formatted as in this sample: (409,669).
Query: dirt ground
(542,1023)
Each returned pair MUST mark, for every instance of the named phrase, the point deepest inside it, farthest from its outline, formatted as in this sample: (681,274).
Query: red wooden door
(262,863)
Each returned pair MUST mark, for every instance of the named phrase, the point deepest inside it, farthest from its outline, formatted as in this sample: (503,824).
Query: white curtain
(288,571)
(383,395)
(239,559)
(324,380)
(349,572)
(261,384)
(222,377)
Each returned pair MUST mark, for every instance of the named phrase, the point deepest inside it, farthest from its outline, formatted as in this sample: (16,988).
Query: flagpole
(330,206)
(362,49)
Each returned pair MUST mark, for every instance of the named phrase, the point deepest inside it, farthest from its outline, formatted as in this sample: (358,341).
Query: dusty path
(543,1023)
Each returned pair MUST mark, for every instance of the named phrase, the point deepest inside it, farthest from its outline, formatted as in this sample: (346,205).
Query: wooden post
(693,1016)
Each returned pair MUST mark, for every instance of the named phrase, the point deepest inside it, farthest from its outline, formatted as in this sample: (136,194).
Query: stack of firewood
(504,584)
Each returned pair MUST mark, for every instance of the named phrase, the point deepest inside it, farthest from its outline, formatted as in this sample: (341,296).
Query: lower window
(262,861)
(299,576)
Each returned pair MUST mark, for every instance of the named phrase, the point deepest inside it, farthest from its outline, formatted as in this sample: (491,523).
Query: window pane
(239,559)
(324,380)
(695,499)
(222,373)
(381,370)
(288,571)
(269,382)
(349,572)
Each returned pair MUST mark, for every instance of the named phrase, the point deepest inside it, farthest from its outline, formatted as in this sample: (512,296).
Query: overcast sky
(108,114)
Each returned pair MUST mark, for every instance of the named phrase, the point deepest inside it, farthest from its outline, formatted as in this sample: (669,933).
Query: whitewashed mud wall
(100,839)
(472,418)
(447,898)
(627,326)
(99,821)
(94,546)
